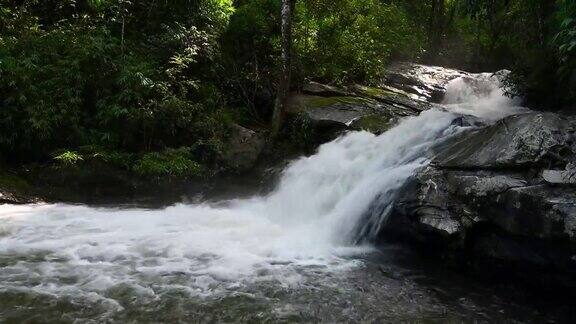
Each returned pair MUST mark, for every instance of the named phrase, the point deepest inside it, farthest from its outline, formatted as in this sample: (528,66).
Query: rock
(468,121)
(375,123)
(481,185)
(538,212)
(427,207)
(498,199)
(15,190)
(391,97)
(504,249)
(323,90)
(513,142)
(479,171)
(423,82)
(337,111)
(494,221)
(567,176)
(242,149)
(504,200)
(11,198)
(440,222)
(356,108)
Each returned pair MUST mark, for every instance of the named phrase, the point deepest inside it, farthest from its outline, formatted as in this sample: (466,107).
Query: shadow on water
(467,297)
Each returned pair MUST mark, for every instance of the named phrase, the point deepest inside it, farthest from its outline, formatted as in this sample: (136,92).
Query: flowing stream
(290,255)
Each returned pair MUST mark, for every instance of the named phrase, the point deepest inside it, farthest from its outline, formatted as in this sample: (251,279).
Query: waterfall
(481,95)
(312,220)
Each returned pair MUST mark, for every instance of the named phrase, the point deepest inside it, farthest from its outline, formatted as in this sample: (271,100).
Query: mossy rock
(324,90)
(298,103)
(311,102)
(14,189)
(336,111)
(397,98)
(376,93)
(376,123)
(10,181)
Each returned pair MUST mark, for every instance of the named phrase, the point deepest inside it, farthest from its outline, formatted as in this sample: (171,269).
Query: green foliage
(343,40)
(250,52)
(334,41)
(300,132)
(121,160)
(565,40)
(123,75)
(171,163)
(127,78)
(13,182)
(530,37)
(68,158)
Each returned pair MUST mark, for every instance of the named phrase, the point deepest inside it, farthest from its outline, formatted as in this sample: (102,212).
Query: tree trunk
(122,41)
(284,82)
(436,29)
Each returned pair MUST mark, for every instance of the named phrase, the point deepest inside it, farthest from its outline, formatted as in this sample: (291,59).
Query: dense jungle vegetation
(153,86)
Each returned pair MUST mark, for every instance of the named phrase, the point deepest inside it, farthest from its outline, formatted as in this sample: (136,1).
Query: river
(289,255)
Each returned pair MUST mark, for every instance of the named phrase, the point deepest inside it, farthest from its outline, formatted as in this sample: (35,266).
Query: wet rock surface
(323,90)
(421,82)
(14,190)
(339,112)
(567,176)
(499,199)
(513,142)
(9,197)
(356,107)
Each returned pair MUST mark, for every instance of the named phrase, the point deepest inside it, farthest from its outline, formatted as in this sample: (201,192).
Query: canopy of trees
(116,77)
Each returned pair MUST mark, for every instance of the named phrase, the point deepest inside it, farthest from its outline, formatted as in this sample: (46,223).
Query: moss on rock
(318,102)
(375,123)
(14,189)
(376,93)
(9,181)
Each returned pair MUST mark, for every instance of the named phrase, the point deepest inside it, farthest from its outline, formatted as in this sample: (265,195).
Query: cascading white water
(308,222)
(481,95)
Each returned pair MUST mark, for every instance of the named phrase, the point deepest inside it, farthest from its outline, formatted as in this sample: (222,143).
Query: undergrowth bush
(127,76)
(68,158)
(352,40)
(172,163)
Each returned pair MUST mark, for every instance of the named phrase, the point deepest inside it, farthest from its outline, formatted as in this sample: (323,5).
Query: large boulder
(508,200)
(334,111)
(355,107)
(422,82)
(392,97)
(323,90)
(513,142)
(497,223)
(566,176)
(242,149)
(500,197)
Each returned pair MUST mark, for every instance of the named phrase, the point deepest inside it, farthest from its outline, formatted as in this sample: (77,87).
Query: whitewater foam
(481,95)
